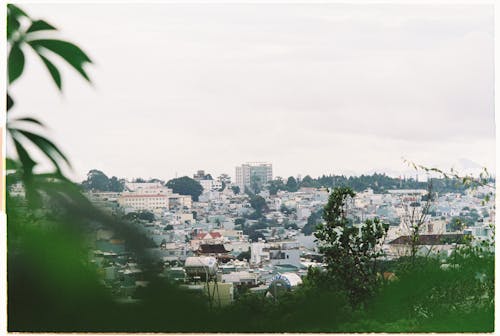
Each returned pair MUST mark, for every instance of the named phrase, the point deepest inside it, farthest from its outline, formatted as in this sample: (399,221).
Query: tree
(255,183)
(239,221)
(312,222)
(235,189)
(286,210)
(116,185)
(350,252)
(456,224)
(141,215)
(186,186)
(96,181)
(258,203)
(276,185)
(307,182)
(291,184)
(244,256)
(415,216)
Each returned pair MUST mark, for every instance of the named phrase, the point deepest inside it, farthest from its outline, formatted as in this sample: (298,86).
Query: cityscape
(258,232)
(249,168)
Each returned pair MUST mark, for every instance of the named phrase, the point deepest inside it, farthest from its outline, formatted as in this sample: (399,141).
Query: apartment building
(260,172)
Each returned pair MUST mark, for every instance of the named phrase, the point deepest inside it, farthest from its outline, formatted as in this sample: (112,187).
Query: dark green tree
(275,185)
(307,182)
(350,252)
(291,184)
(186,186)
(116,185)
(96,181)
(244,255)
(258,203)
(235,189)
(255,183)
(312,222)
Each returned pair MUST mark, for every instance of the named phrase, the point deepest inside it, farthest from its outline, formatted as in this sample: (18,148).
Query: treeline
(99,181)
(379,183)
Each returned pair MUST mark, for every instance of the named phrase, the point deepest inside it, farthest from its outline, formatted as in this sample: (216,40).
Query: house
(214,250)
(428,243)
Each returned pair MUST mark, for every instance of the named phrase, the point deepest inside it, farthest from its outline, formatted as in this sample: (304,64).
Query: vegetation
(379,183)
(186,186)
(141,215)
(98,181)
(291,184)
(52,286)
(312,221)
(349,252)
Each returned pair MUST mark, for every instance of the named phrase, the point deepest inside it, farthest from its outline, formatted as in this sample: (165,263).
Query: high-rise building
(257,173)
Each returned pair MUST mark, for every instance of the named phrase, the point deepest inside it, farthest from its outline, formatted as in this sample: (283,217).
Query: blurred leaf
(11,164)
(40,25)
(12,26)
(56,76)
(15,63)
(28,119)
(45,145)
(10,102)
(27,162)
(68,51)
(16,11)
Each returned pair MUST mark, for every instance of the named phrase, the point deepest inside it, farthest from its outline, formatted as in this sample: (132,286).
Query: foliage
(307,182)
(140,215)
(98,181)
(286,210)
(312,221)
(258,203)
(186,186)
(291,184)
(235,189)
(350,252)
(239,221)
(291,226)
(276,185)
(244,255)
(24,33)
(255,183)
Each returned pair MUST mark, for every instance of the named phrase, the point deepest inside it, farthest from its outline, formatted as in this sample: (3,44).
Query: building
(257,172)
(206,181)
(144,201)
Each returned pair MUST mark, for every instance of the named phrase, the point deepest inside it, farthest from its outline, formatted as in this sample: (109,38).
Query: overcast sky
(313,89)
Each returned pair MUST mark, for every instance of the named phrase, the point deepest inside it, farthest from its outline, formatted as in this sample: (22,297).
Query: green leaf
(16,11)
(46,146)
(15,63)
(56,76)
(31,120)
(40,25)
(68,51)
(11,164)
(27,162)
(10,102)
(12,26)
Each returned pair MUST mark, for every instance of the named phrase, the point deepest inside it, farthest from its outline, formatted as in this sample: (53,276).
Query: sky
(312,88)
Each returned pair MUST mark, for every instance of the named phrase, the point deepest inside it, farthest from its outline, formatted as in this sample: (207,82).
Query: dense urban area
(255,235)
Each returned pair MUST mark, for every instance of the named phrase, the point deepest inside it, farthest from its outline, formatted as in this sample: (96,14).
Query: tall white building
(261,172)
